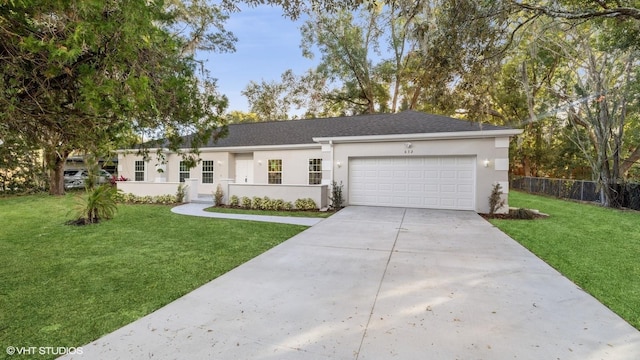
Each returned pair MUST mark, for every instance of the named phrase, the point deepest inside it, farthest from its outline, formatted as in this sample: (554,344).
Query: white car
(75,179)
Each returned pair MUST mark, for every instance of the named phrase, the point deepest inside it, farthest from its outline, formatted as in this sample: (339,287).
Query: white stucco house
(408,159)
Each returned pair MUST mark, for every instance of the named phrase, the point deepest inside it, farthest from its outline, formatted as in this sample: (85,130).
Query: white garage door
(443,182)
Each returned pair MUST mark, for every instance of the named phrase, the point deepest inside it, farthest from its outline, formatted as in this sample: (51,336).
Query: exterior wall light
(486,162)
(339,164)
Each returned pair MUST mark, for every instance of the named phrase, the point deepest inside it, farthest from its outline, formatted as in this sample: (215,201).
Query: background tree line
(96,75)
(564,71)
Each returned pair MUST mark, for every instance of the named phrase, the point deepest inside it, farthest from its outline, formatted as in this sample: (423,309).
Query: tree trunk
(55,163)
(611,195)
(610,188)
(394,101)
(526,166)
(371,109)
(414,99)
(56,179)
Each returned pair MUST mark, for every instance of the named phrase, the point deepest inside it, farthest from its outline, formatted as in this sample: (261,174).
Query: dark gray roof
(303,131)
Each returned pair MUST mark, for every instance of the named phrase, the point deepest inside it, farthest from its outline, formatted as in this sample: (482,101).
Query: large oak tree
(88,74)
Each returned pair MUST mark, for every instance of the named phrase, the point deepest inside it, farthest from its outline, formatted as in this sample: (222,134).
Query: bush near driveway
(66,286)
(597,248)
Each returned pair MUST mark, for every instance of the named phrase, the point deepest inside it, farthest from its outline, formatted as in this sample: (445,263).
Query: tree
(440,56)
(310,93)
(193,22)
(20,167)
(272,100)
(238,117)
(89,72)
(403,69)
(521,96)
(346,48)
(466,40)
(600,95)
(294,8)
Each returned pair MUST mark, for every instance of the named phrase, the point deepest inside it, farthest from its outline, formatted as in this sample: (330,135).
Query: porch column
(327,163)
(192,189)
(224,184)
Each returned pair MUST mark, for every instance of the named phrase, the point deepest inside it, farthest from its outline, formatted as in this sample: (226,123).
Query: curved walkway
(196,209)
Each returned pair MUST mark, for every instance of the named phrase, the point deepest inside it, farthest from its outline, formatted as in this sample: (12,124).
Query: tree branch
(617,12)
(632,159)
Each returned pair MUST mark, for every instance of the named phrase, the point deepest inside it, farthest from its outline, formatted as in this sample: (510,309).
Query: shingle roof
(293,132)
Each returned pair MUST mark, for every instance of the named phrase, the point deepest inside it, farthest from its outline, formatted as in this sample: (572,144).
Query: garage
(435,182)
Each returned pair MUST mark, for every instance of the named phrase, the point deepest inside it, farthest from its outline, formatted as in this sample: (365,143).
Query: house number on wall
(408,148)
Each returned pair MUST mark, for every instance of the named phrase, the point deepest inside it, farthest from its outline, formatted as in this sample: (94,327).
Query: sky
(268,44)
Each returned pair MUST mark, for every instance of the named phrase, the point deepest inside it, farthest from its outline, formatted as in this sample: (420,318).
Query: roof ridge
(302,131)
(331,117)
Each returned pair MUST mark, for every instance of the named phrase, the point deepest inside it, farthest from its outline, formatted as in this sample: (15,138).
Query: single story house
(407,159)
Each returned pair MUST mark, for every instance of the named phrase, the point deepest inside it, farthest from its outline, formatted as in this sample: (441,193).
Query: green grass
(312,214)
(597,248)
(65,285)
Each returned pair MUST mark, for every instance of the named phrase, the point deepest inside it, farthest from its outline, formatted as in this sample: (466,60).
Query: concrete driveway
(382,283)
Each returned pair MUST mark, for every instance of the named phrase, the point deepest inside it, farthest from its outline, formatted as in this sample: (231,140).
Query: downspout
(332,163)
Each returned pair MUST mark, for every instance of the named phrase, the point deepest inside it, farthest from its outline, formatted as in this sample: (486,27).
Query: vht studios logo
(43,350)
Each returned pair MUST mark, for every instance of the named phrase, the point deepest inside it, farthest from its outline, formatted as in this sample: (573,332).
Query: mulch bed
(80,222)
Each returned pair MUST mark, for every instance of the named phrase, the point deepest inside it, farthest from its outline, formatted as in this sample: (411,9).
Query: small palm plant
(98,203)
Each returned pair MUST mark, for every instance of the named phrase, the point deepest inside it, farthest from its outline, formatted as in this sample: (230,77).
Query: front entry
(244,169)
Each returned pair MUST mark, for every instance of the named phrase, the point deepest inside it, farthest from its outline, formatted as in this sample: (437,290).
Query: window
(139,171)
(184,171)
(275,171)
(207,172)
(315,171)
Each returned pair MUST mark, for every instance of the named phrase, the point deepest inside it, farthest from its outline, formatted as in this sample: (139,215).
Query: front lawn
(595,247)
(65,285)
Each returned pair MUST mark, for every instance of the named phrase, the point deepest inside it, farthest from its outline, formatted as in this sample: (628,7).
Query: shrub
(246,202)
(234,201)
(306,204)
(265,203)
(218,196)
(336,196)
(164,199)
(181,193)
(114,179)
(158,199)
(278,204)
(256,203)
(495,199)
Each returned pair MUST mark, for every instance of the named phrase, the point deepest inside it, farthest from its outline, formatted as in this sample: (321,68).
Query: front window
(139,171)
(275,171)
(207,172)
(184,171)
(315,171)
